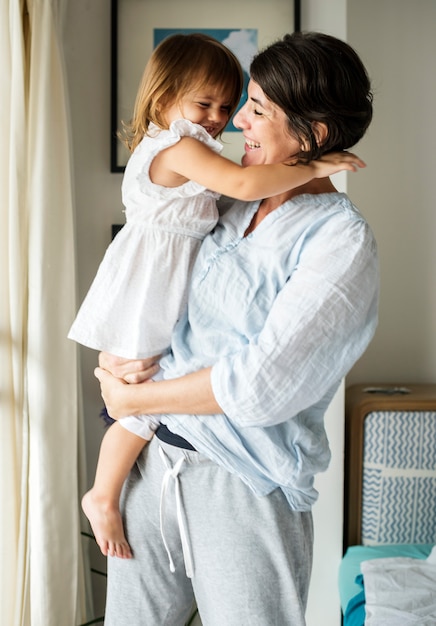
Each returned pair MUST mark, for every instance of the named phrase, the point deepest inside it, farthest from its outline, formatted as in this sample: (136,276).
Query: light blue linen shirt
(281,315)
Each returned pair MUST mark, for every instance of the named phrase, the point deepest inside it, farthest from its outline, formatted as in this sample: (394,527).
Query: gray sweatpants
(252,556)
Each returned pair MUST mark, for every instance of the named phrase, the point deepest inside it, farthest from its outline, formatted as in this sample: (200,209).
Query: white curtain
(41,569)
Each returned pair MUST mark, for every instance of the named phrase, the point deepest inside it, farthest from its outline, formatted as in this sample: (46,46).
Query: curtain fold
(13,303)
(41,574)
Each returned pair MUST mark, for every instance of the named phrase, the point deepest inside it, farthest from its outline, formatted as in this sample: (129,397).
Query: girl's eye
(256,112)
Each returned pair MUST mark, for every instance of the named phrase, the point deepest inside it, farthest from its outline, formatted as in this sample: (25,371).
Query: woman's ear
(320,131)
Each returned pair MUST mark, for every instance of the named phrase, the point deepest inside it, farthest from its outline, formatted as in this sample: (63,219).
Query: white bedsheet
(400,591)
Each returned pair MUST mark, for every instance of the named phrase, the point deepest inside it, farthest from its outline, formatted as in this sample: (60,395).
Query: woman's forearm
(190,394)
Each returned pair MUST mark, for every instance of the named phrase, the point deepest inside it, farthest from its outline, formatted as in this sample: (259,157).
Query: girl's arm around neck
(190,394)
(190,159)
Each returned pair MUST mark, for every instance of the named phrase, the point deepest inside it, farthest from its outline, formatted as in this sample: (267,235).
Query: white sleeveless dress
(141,285)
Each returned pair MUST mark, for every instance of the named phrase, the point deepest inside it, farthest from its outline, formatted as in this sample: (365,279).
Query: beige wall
(397,193)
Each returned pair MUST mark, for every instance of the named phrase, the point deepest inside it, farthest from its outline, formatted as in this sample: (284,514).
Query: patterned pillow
(399,478)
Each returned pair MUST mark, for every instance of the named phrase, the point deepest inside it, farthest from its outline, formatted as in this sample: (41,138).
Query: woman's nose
(239,118)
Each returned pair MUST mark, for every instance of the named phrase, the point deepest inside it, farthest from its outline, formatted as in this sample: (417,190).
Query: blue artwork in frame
(242,42)
(137,24)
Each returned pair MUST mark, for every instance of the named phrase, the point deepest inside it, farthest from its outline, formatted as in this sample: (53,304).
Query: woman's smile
(251,145)
(265,129)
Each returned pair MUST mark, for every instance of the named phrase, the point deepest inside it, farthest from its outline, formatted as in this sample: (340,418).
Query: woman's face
(265,130)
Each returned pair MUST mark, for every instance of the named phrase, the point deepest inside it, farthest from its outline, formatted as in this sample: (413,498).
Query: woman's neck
(315,186)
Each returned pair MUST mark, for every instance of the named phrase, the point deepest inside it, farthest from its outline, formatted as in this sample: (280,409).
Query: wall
(323,606)
(394,192)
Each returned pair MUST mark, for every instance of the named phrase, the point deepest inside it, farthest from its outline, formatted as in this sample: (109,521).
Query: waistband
(164,434)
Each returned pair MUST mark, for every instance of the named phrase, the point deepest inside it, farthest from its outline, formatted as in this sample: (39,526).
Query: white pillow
(400,591)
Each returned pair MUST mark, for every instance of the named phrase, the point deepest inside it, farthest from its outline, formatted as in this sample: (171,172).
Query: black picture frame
(118,155)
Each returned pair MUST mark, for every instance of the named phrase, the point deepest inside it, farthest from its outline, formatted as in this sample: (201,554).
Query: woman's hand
(129,370)
(115,393)
(190,394)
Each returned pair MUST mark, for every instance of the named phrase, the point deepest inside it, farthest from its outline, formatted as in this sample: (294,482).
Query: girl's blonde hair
(179,64)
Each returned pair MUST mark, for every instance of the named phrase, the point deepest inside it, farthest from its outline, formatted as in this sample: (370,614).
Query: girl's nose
(218,115)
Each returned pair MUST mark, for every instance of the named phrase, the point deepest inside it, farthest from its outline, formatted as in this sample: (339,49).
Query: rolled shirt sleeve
(320,323)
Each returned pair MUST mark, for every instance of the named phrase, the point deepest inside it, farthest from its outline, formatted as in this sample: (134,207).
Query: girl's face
(265,129)
(207,106)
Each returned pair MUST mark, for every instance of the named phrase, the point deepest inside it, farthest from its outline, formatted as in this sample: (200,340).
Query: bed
(387,575)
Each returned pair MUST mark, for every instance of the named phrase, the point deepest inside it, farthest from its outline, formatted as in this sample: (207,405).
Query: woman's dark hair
(314,77)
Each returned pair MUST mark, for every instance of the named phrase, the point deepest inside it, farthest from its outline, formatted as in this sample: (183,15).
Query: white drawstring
(173,472)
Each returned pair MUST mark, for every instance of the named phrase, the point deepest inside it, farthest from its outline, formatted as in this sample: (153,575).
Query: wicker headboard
(390,464)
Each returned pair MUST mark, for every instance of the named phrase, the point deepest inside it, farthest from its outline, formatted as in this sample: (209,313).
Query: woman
(283,301)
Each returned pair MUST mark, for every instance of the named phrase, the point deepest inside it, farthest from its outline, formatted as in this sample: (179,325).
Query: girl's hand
(335,162)
(129,370)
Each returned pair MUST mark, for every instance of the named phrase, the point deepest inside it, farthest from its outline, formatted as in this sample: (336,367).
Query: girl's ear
(320,131)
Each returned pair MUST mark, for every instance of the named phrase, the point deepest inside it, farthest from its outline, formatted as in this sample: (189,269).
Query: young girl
(189,90)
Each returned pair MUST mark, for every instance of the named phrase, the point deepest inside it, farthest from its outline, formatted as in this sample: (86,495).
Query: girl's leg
(119,450)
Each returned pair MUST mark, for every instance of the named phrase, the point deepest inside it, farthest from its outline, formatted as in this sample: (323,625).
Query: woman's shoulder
(327,219)
(327,206)
(331,201)
(335,219)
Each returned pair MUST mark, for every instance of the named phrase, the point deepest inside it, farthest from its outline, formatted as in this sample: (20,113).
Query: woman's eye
(256,112)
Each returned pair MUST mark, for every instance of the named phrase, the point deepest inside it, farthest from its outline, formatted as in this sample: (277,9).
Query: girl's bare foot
(107,525)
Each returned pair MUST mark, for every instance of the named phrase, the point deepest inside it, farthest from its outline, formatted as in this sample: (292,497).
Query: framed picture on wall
(137,26)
